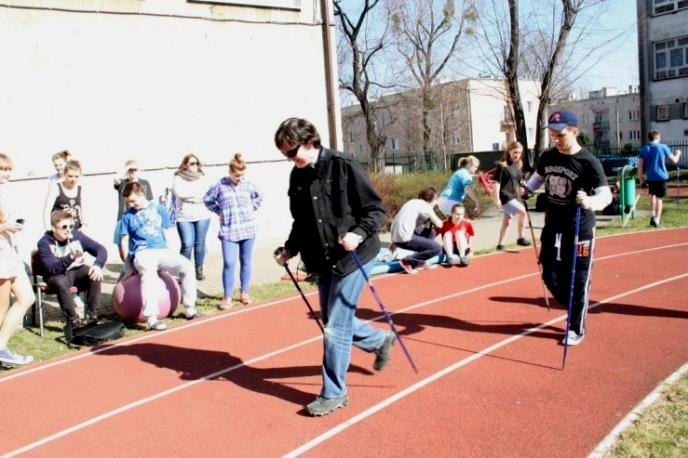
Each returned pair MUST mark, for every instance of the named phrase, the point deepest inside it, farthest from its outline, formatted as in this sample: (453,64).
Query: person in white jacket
(189,186)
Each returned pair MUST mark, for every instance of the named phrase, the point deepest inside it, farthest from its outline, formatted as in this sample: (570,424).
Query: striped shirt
(235,205)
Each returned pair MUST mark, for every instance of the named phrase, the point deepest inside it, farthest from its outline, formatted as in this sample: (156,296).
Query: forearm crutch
(388,317)
(537,255)
(571,288)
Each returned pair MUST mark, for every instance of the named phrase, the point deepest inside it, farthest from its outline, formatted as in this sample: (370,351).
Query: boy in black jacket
(61,253)
(336,210)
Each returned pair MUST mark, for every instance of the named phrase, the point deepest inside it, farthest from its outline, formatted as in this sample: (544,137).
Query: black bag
(94,334)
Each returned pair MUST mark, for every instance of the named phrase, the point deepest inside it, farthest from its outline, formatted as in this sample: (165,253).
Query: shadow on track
(194,364)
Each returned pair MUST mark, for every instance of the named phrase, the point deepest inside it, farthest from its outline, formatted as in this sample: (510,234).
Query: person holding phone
(13,277)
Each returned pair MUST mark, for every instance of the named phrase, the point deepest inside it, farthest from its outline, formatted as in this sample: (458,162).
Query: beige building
(467,115)
(663,64)
(609,118)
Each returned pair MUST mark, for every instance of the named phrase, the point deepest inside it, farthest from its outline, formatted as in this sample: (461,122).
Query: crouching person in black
(62,258)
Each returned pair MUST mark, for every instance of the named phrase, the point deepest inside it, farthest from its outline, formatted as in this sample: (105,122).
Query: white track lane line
(86,354)
(352,421)
(463,362)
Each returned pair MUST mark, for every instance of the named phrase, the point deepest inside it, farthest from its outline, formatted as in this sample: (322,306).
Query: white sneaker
(573,339)
(10,359)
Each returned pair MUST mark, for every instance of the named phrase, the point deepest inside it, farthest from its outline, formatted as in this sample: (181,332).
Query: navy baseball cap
(560,120)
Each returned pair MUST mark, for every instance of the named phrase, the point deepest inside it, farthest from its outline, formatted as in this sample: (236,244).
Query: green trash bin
(627,177)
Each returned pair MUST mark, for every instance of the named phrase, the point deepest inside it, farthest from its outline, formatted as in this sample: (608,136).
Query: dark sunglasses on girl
(192,163)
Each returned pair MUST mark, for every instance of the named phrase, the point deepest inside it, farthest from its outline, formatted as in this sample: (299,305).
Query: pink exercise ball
(127,297)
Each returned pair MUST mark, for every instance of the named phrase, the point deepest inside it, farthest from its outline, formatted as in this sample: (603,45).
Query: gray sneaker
(384,353)
(8,358)
(323,406)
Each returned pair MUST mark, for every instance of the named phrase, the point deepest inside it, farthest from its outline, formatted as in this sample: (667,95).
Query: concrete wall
(173,77)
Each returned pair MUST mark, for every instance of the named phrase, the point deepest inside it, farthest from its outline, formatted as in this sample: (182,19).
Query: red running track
(490,381)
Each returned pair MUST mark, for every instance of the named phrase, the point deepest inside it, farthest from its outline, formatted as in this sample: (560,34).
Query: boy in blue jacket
(61,252)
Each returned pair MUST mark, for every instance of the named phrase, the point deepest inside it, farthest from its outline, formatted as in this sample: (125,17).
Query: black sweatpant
(556,256)
(79,278)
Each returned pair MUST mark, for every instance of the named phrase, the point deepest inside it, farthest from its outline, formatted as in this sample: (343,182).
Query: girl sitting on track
(456,233)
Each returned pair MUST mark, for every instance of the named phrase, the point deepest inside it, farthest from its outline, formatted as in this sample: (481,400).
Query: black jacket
(327,200)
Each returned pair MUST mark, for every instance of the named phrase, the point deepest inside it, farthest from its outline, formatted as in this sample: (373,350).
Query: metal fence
(399,162)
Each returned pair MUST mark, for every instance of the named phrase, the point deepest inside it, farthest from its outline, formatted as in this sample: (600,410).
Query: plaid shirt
(235,205)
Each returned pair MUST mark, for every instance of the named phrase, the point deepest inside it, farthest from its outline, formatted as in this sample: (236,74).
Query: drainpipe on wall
(329,73)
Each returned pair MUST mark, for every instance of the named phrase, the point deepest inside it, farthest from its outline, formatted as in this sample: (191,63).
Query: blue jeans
(242,249)
(192,235)
(424,245)
(338,299)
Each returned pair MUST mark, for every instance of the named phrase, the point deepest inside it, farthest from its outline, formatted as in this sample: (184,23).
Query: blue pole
(571,288)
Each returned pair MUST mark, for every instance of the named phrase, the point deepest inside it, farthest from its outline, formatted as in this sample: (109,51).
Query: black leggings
(556,258)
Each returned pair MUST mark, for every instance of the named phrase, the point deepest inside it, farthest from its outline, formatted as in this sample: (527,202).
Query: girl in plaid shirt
(235,201)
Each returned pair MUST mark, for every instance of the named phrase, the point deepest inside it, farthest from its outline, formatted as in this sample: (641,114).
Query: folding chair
(42,289)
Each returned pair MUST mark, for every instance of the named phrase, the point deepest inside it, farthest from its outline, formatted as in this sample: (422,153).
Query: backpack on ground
(94,334)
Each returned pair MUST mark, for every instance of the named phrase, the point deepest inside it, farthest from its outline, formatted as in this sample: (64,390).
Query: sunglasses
(291,154)
(6,169)
(67,226)
(192,163)
(133,170)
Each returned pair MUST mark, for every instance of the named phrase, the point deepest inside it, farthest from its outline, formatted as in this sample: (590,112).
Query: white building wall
(179,77)
(487,103)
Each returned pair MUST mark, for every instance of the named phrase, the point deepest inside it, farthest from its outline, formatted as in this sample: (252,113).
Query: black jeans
(60,284)
(424,245)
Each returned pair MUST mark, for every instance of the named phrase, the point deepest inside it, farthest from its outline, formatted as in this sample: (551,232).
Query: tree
(503,41)
(427,35)
(362,46)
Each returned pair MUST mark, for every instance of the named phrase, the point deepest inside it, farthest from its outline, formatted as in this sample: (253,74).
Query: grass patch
(29,342)
(662,430)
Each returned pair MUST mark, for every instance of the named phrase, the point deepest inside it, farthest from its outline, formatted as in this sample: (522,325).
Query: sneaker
(573,339)
(455,260)
(8,358)
(430,266)
(91,319)
(191,314)
(323,406)
(245,299)
(653,222)
(500,247)
(156,326)
(384,353)
(522,242)
(464,261)
(199,273)
(407,267)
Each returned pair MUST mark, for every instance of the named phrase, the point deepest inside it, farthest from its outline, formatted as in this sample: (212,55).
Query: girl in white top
(192,217)
(59,159)
(13,276)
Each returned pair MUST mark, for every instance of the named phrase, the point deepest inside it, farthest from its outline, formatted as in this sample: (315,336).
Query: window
(668,6)
(671,57)
(630,115)
(495,147)
(685,111)
(662,112)
(620,135)
(456,137)
(351,137)
(530,107)
(395,146)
